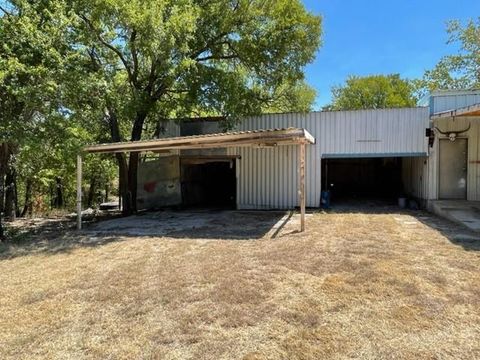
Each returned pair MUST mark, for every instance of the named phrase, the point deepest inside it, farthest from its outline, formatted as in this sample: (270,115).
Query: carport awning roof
(472,110)
(270,137)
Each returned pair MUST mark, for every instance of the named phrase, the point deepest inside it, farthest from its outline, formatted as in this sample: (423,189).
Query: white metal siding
(447,102)
(268,178)
(415,176)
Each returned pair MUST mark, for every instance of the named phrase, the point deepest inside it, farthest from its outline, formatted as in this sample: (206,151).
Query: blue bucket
(325,199)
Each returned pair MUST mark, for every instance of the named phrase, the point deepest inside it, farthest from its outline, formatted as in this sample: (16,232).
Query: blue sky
(363,37)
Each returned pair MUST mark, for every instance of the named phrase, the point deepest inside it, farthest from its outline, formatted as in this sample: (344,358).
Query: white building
(415,152)
(453,163)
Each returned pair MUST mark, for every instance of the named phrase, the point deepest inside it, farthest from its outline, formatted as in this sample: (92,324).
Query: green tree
(39,71)
(165,59)
(298,97)
(373,92)
(32,57)
(461,70)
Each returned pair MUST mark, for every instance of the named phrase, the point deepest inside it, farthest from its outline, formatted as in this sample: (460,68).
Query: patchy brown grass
(353,286)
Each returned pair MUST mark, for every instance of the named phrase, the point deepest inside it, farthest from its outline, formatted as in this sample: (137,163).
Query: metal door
(453,169)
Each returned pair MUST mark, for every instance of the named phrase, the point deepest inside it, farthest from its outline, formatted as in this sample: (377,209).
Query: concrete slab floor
(199,224)
(466,213)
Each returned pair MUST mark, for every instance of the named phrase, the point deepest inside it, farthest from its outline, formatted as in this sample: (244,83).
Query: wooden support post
(79,192)
(301,190)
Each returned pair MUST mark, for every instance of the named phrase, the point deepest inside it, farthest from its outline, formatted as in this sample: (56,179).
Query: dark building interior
(362,178)
(208,184)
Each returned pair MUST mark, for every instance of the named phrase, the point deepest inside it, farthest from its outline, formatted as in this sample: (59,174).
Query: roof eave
(472,110)
(271,137)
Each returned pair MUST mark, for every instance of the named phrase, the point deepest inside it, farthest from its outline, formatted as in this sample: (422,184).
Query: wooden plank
(199,159)
(79,192)
(230,157)
(302,185)
(191,146)
(265,138)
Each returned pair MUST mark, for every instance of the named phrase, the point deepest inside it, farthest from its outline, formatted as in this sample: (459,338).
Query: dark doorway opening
(208,184)
(363,178)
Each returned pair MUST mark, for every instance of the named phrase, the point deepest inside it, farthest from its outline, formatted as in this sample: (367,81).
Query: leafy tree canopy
(33,57)
(373,92)
(39,136)
(110,70)
(154,60)
(460,70)
(181,57)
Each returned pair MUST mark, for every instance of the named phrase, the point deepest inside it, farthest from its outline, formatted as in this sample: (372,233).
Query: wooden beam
(156,148)
(301,190)
(79,192)
(253,138)
(210,157)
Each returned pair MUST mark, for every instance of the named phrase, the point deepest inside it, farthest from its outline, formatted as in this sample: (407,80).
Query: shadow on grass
(457,234)
(60,236)
(364,206)
(51,236)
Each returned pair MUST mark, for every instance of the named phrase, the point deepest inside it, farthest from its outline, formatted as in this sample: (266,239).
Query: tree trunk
(58,203)
(123,184)
(91,191)
(28,206)
(132,181)
(15,187)
(2,192)
(52,196)
(10,209)
(2,235)
(133,159)
(5,154)
(2,197)
(121,160)
(127,171)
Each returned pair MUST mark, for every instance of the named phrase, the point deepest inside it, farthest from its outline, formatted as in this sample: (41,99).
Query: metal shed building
(429,153)
(266,176)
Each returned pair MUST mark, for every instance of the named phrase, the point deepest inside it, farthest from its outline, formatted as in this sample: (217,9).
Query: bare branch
(161,90)
(151,76)
(133,49)
(8,13)
(217,57)
(94,58)
(112,48)
(208,45)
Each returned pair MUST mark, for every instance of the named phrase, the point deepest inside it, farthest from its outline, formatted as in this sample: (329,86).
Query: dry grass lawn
(373,286)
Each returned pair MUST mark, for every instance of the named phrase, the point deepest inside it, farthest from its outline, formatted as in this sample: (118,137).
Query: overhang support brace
(301,190)
(79,192)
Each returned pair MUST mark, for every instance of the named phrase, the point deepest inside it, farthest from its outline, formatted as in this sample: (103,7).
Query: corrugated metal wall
(415,176)
(267,178)
(349,133)
(170,129)
(446,101)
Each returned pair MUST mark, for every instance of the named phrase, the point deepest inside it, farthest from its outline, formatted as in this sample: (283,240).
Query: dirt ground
(244,285)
